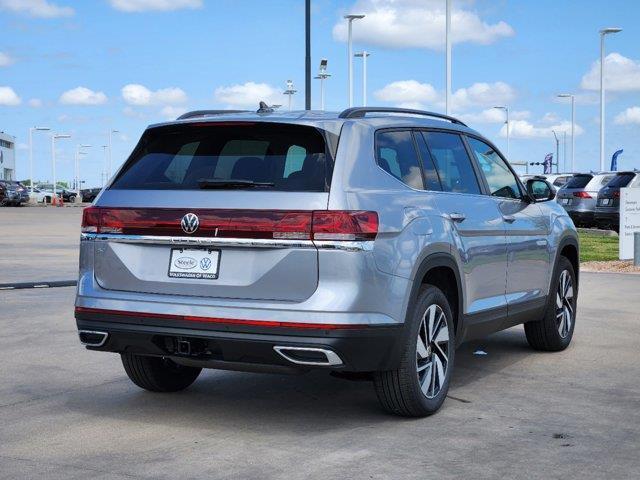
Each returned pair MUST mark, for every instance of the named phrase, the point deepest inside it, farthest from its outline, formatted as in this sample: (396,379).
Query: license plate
(565,201)
(194,263)
(605,201)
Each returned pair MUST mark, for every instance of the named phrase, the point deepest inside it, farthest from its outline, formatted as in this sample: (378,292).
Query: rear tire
(554,332)
(158,374)
(418,387)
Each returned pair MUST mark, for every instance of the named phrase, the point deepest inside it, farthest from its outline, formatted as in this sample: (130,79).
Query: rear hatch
(215,210)
(609,196)
(574,190)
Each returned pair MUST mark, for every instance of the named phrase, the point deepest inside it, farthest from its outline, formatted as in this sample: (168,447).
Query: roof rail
(360,112)
(206,113)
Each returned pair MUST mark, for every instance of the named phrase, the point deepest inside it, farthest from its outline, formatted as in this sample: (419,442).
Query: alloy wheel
(564,304)
(432,351)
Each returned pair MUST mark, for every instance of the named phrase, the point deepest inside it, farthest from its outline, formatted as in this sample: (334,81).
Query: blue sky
(83,67)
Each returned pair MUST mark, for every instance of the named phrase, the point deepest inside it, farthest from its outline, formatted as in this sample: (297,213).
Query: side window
(502,182)
(396,154)
(294,160)
(452,162)
(179,165)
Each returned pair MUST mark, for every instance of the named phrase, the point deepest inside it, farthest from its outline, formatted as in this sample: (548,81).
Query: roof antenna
(264,108)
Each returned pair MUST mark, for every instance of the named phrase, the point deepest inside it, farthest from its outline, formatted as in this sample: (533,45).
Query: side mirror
(540,190)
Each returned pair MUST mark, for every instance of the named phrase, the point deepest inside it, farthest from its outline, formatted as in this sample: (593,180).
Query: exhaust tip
(319,357)
(92,338)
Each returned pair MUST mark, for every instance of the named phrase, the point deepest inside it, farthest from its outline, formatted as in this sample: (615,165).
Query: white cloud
(171,112)
(629,116)
(6,60)
(493,115)
(248,94)
(139,95)
(154,5)
(413,94)
(8,97)
(417,23)
(82,96)
(525,129)
(35,103)
(622,74)
(36,8)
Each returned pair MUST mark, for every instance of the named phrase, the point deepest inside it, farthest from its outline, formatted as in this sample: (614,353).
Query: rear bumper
(245,347)
(607,218)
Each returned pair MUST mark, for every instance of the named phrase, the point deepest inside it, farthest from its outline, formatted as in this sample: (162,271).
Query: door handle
(509,218)
(457,217)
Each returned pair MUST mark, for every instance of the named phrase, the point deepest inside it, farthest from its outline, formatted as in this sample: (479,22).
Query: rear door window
(191,156)
(452,162)
(396,154)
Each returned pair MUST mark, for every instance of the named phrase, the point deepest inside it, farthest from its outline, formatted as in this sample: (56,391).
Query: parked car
(90,194)
(557,180)
(68,195)
(47,190)
(607,213)
(13,193)
(370,243)
(578,196)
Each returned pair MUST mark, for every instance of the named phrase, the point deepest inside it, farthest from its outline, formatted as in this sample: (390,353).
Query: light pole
(31,130)
(564,151)
(557,153)
(506,111)
(603,32)
(77,172)
(290,91)
(54,137)
(350,18)
(111,132)
(322,76)
(448,59)
(103,177)
(364,54)
(573,127)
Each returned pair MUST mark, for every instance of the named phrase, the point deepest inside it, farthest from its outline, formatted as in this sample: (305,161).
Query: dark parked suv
(13,193)
(608,204)
(370,243)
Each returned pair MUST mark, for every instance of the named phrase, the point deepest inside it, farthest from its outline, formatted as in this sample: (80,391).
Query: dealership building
(7,157)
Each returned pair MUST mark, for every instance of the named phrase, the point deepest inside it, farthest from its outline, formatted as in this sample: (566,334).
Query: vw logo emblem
(205,263)
(190,223)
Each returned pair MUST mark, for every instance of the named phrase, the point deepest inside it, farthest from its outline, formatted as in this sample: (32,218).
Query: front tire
(158,374)
(554,332)
(418,387)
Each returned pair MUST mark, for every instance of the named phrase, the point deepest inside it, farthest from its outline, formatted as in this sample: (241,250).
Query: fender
(433,260)
(567,239)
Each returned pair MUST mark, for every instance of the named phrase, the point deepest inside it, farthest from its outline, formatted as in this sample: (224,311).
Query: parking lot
(511,413)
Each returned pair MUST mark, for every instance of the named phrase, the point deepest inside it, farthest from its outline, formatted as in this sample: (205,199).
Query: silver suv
(370,243)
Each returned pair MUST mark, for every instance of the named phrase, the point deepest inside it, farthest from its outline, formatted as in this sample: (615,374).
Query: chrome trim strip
(350,246)
(332,357)
(198,241)
(93,332)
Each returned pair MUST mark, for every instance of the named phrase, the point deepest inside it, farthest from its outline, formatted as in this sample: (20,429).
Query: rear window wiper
(212,183)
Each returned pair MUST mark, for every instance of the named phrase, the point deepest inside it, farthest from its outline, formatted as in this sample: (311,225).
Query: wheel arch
(569,248)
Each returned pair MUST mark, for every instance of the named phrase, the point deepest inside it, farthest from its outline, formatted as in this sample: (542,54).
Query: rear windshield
(265,156)
(621,180)
(578,181)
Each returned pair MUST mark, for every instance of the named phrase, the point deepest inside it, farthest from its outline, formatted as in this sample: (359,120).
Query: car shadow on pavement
(314,401)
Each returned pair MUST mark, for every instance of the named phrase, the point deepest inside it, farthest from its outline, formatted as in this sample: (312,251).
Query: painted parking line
(45,284)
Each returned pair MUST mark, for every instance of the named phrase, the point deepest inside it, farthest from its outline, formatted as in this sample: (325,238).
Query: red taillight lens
(582,195)
(345,225)
(616,194)
(275,224)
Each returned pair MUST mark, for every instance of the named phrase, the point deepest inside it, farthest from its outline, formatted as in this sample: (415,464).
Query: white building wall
(7,157)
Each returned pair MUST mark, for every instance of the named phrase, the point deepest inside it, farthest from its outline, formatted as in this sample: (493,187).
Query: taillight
(257,224)
(344,225)
(582,195)
(616,194)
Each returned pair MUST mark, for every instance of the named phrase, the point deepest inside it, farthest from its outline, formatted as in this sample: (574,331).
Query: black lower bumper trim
(361,350)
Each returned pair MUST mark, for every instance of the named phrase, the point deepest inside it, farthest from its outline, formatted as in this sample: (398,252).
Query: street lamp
(447,102)
(77,169)
(54,137)
(31,130)
(506,111)
(573,126)
(290,91)
(350,18)
(364,54)
(557,153)
(111,132)
(603,32)
(103,175)
(322,76)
